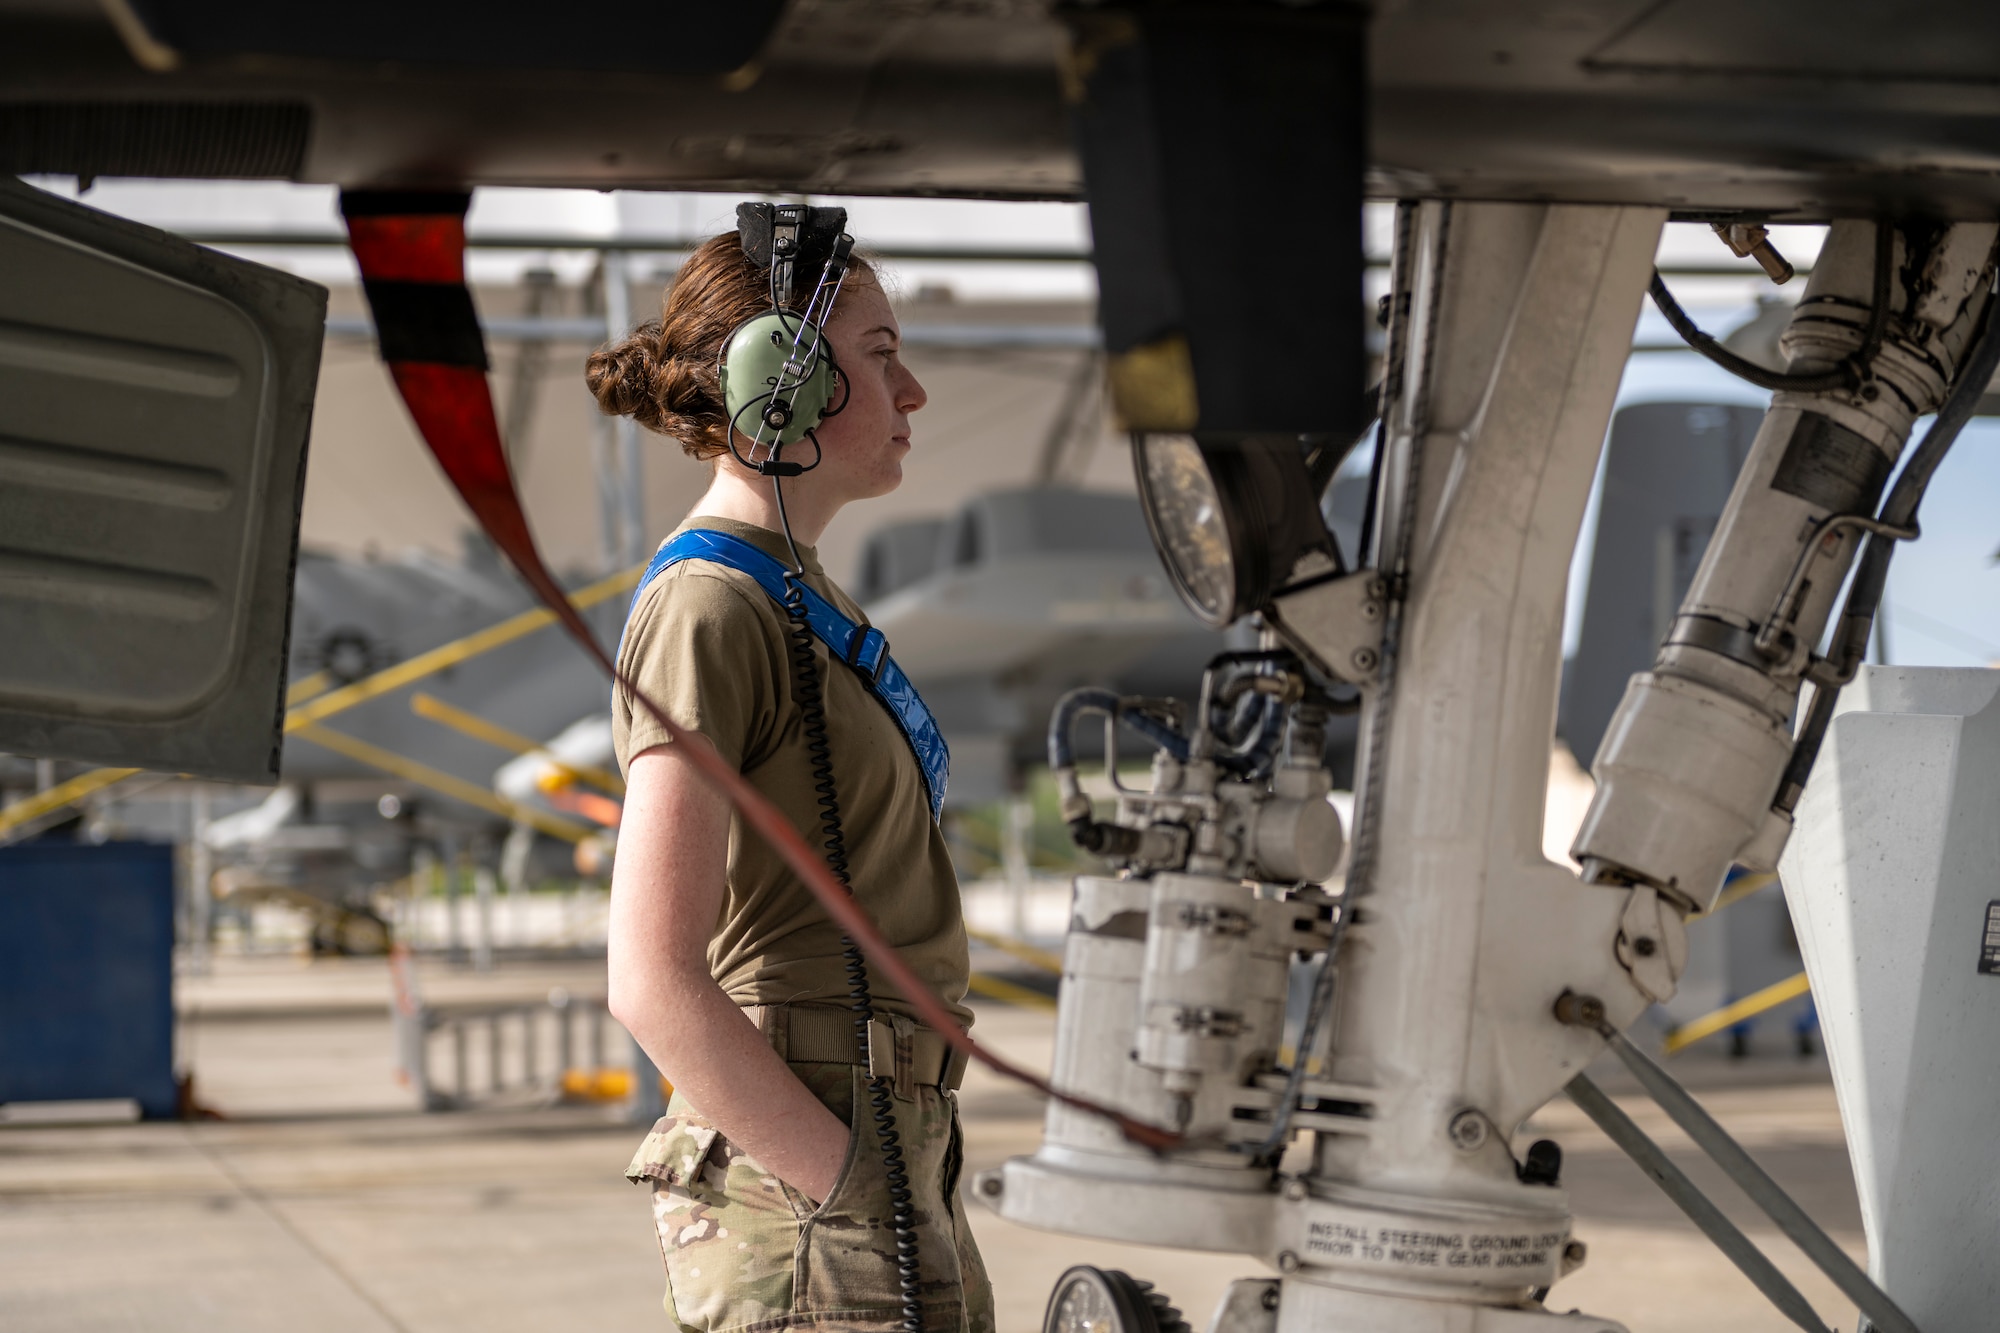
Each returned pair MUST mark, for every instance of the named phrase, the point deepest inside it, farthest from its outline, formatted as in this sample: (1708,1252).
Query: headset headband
(789,237)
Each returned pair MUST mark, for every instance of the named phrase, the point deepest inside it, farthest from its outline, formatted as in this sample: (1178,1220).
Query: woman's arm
(666,894)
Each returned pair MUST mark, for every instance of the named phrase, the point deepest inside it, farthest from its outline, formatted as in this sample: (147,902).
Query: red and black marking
(411,249)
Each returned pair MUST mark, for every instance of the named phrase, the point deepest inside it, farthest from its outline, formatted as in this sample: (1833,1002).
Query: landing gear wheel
(1104,1300)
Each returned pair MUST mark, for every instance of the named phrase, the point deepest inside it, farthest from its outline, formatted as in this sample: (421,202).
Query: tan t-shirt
(711,647)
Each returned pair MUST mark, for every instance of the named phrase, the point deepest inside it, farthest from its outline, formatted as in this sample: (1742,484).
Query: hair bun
(621,375)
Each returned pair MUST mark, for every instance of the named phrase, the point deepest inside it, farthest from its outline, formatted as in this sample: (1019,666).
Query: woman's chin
(891,478)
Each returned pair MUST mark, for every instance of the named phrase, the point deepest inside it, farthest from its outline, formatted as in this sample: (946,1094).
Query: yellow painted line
(319,682)
(323,704)
(60,795)
(451,654)
(1687,1034)
(477,727)
(1742,889)
(1027,953)
(455,787)
(993,988)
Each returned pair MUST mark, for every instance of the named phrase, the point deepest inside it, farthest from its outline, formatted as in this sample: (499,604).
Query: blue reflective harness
(862,647)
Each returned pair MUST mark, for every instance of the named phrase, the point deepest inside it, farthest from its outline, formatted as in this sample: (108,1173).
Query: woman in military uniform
(770,1193)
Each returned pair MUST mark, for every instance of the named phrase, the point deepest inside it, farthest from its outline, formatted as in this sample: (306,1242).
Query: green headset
(778,373)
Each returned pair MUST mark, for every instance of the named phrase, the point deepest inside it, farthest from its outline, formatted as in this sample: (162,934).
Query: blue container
(87,973)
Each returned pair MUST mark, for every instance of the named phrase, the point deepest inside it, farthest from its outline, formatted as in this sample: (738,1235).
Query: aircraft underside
(1226,152)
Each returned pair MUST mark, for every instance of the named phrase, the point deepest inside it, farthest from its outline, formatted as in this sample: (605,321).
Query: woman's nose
(910,395)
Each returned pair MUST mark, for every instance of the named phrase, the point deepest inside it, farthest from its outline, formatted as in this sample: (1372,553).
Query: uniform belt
(899,1048)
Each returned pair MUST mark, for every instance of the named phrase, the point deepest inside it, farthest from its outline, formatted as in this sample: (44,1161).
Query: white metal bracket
(1652,944)
(1337,623)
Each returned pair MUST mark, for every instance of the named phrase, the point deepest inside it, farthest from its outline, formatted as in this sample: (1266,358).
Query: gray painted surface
(154,401)
(1667,475)
(1788,105)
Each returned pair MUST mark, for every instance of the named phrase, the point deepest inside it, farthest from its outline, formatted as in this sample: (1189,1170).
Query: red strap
(409,249)
(453,409)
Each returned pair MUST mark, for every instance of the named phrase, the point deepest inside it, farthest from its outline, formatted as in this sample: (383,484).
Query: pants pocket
(727,1231)
(676,1150)
(954,1153)
(843,1180)
(847,1259)
(975,1288)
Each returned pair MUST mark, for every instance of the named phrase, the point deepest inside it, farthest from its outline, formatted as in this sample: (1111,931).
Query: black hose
(1871,576)
(881,1104)
(1247,744)
(1062,750)
(1235,727)
(1251,657)
(1849,374)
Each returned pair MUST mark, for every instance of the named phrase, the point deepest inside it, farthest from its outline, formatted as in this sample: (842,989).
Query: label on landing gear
(1459,1252)
(1399,1247)
(1828,465)
(1989,946)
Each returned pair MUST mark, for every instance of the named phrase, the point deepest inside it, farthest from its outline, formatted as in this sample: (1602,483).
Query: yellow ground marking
(1742,889)
(477,727)
(60,795)
(451,654)
(455,787)
(1027,953)
(325,704)
(1687,1034)
(307,687)
(993,988)
(604,1085)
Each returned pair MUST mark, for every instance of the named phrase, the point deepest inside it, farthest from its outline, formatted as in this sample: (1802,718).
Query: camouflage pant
(746,1252)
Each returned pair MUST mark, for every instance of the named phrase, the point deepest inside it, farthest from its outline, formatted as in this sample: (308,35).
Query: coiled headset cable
(768,401)
(861,999)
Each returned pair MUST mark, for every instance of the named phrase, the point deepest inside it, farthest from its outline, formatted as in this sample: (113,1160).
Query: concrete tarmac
(327,1201)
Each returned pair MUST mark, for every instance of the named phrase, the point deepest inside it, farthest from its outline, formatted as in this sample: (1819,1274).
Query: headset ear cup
(754,370)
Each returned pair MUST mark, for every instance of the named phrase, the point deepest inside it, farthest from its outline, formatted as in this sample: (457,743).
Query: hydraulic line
(1089,699)
(1092,835)
(1848,374)
(1245,742)
(1871,576)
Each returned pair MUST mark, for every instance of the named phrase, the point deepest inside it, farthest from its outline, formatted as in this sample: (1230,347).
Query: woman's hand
(666,894)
